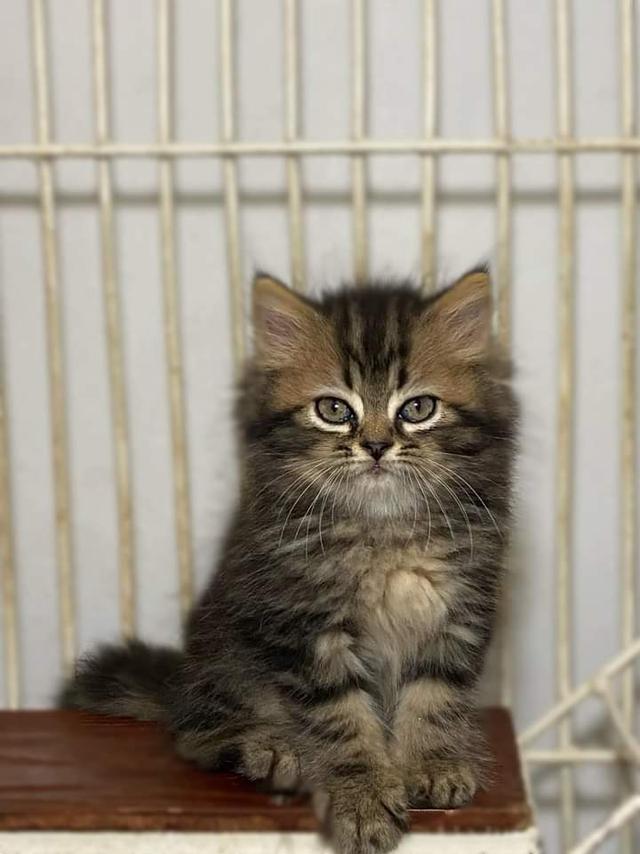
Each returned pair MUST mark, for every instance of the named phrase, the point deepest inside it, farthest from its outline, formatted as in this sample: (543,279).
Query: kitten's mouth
(377,469)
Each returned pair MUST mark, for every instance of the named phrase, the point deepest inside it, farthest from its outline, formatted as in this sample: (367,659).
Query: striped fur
(340,642)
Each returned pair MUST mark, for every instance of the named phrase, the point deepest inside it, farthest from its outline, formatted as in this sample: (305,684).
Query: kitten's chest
(402,597)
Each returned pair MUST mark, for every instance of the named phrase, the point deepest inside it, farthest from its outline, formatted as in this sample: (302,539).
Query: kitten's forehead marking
(374,346)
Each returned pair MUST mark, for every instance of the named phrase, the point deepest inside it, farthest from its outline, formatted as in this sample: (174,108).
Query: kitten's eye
(417,409)
(334,411)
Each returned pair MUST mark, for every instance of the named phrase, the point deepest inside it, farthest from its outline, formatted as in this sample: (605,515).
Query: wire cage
(551,738)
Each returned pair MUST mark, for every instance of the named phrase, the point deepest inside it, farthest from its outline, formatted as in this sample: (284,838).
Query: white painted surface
(251,843)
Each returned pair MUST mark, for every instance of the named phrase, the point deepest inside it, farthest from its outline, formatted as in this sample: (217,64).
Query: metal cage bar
(171,318)
(429,161)
(292,129)
(564,447)
(7,557)
(503,271)
(358,131)
(562,708)
(230,150)
(503,172)
(325,148)
(628,449)
(230,173)
(113,329)
(629,346)
(59,431)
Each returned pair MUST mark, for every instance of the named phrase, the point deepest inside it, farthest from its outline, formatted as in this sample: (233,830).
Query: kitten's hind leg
(251,742)
(258,754)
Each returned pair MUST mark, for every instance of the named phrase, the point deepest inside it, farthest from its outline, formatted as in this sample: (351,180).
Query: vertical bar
(115,358)
(429,161)
(629,268)
(564,480)
(59,432)
(503,277)
(230,174)
(358,130)
(7,557)
(171,316)
(292,129)
(628,448)
(503,165)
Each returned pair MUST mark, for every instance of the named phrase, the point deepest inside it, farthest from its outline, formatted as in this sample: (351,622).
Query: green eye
(334,411)
(418,409)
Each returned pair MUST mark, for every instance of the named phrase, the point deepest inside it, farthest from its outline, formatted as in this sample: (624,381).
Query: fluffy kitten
(340,641)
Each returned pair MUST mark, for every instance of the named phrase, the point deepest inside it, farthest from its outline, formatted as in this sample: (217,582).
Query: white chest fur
(397,598)
(403,599)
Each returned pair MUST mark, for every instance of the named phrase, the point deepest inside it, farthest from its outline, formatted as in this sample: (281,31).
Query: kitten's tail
(133,680)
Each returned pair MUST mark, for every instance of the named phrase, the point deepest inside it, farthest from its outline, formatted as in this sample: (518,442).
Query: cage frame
(229,149)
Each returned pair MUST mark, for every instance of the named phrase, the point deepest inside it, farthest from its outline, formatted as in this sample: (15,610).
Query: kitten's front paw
(272,762)
(443,784)
(365,820)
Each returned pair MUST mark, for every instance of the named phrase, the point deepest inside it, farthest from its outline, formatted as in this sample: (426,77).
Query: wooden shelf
(74,771)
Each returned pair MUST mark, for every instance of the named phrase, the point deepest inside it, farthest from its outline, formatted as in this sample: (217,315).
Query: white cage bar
(59,433)
(429,162)
(7,556)
(564,445)
(171,320)
(619,707)
(328,148)
(628,450)
(126,560)
(358,130)
(503,270)
(292,130)
(231,203)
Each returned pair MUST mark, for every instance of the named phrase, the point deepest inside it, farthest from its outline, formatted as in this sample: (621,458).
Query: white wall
(466,226)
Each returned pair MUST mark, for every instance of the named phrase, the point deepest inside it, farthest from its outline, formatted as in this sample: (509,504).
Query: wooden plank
(74,771)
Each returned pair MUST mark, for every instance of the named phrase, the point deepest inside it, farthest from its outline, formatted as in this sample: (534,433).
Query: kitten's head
(377,400)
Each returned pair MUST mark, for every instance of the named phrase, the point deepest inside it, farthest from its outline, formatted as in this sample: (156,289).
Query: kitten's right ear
(283,322)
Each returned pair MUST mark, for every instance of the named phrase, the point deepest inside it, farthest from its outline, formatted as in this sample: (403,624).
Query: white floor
(525,842)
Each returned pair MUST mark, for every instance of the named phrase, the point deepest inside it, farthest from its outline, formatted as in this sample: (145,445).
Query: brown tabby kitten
(340,642)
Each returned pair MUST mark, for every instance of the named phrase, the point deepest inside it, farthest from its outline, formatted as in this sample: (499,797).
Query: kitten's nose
(376,449)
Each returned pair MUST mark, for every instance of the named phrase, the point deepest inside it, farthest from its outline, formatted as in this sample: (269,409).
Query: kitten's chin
(380,494)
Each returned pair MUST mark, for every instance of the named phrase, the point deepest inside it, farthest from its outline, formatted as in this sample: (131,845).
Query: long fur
(339,643)
(133,680)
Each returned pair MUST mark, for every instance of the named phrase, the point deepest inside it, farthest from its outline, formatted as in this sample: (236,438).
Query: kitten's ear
(282,321)
(462,315)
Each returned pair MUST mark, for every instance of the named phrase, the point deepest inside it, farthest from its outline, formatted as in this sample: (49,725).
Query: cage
(150,156)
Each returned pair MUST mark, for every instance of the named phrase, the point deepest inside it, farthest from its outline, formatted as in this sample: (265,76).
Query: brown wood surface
(69,770)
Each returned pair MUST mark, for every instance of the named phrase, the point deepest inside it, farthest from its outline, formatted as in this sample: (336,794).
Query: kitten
(340,642)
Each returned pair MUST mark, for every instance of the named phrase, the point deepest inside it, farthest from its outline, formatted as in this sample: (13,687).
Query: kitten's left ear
(462,315)
(283,322)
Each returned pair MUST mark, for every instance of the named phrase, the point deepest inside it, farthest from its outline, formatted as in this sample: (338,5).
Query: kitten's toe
(369,821)
(444,784)
(257,761)
(275,764)
(286,771)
